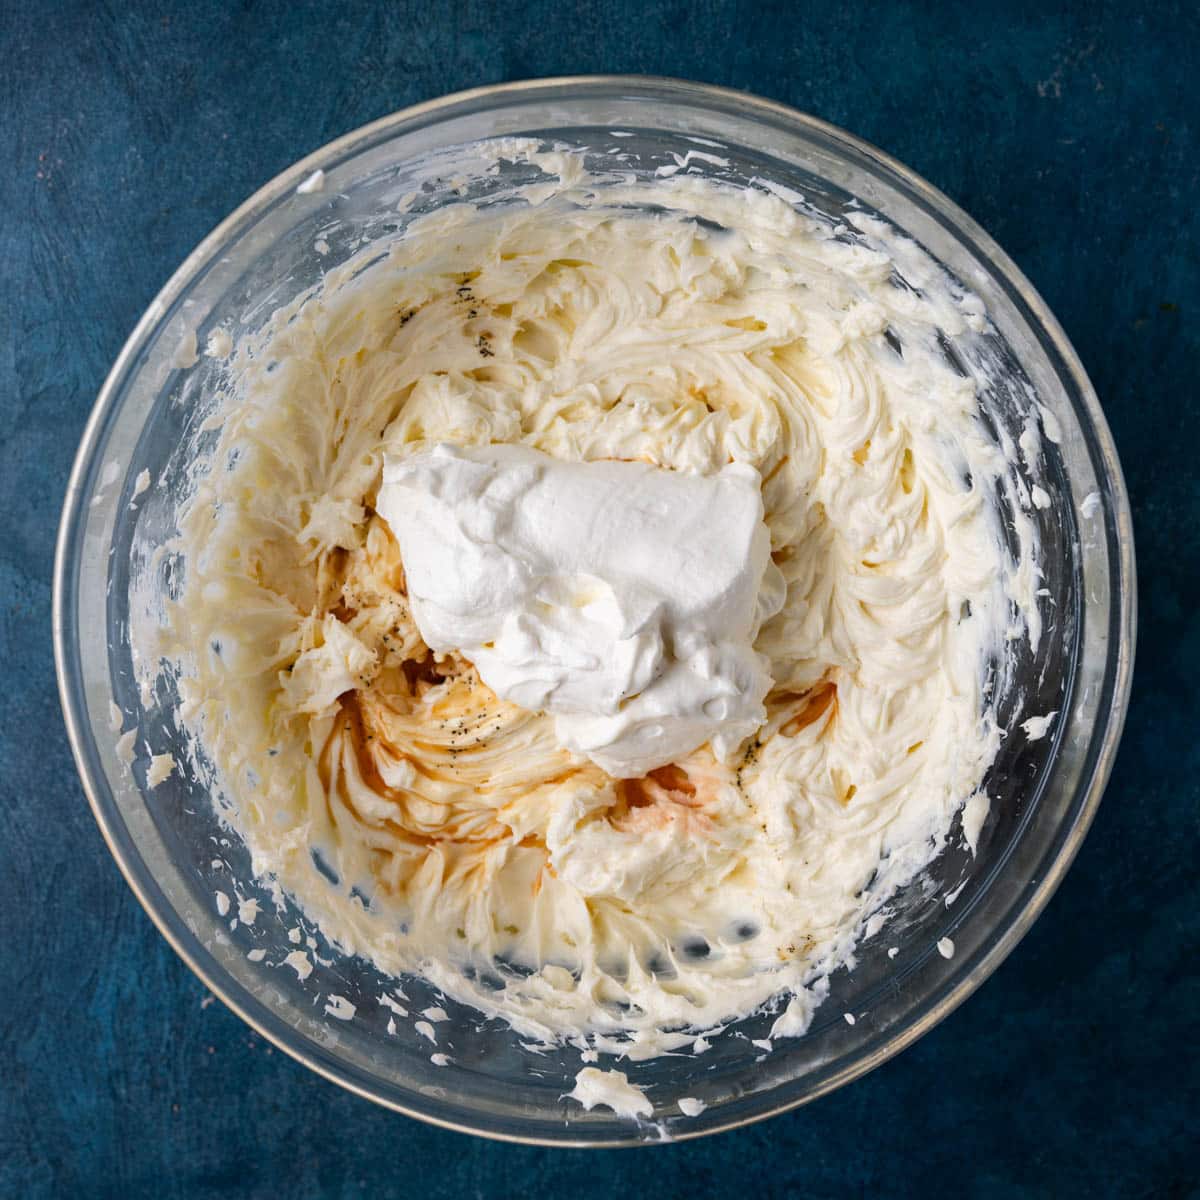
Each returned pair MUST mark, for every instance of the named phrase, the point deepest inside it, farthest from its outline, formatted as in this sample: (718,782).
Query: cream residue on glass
(694,329)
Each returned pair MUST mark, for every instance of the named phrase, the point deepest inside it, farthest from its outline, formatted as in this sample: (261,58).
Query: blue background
(1069,132)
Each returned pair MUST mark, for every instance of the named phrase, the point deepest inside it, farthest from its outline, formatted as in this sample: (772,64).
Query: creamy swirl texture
(715,332)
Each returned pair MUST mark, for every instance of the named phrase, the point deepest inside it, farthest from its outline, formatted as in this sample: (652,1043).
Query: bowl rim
(1123,602)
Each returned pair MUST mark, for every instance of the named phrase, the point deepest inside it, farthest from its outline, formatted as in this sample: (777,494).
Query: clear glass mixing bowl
(175,854)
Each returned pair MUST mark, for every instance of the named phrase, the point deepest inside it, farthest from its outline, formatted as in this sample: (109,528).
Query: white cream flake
(125,746)
(161,768)
(314,183)
(299,962)
(797,1016)
(108,474)
(974,814)
(219,345)
(185,353)
(1050,424)
(394,1005)
(1036,728)
(340,1008)
(611,1089)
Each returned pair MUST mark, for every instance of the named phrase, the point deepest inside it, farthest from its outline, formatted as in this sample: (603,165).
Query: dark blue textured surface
(1070,133)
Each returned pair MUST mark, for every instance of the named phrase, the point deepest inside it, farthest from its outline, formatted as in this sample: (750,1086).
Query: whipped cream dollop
(512,490)
(622,597)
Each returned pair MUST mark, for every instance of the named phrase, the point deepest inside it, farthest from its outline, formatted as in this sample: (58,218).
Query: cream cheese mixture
(591,766)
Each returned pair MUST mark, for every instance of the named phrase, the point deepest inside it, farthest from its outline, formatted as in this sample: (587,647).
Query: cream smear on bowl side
(696,329)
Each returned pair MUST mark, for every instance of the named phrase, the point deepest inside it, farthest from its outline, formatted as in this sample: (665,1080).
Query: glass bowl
(177,856)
